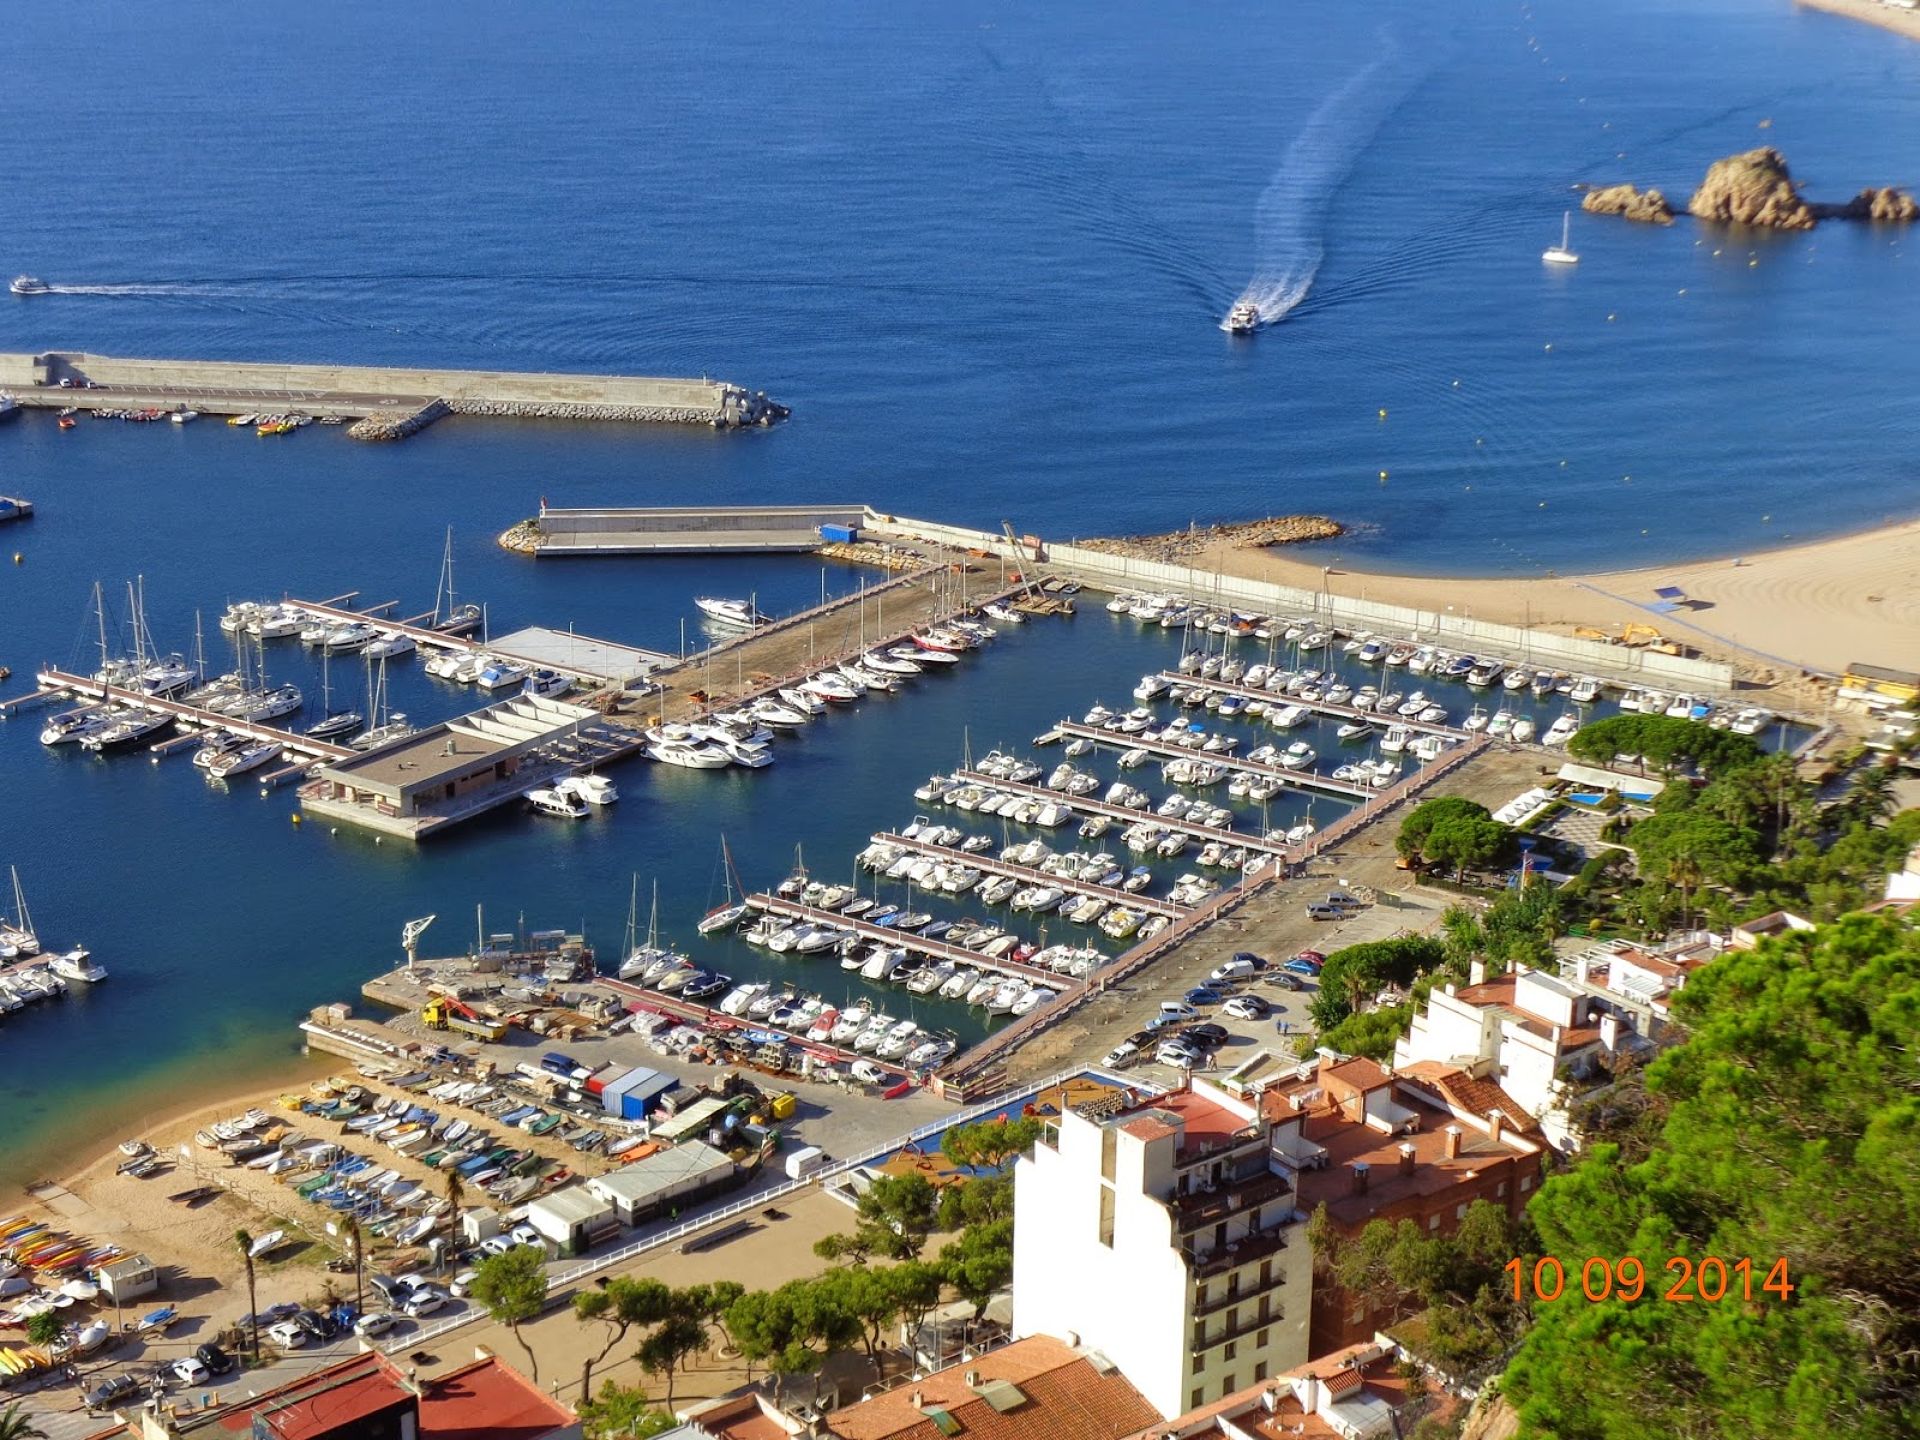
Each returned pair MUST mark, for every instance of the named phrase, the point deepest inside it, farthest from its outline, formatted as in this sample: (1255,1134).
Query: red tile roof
(488,1400)
(1464,1092)
(324,1401)
(1066,1398)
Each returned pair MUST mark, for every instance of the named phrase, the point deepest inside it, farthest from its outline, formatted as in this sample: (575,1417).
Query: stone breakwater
(1179,545)
(737,410)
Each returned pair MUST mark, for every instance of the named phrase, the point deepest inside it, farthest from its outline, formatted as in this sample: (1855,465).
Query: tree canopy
(1354,974)
(1788,1128)
(1664,743)
(513,1288)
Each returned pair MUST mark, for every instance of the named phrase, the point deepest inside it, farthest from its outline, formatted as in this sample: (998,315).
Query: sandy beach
(1774,613)
(1887,17)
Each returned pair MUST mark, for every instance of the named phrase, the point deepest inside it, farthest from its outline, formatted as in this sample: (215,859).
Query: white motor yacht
(79,965)
(250,756)
(1243,318)
(500,673)
(593,789)
(734,614)
(562,804)
(390,645)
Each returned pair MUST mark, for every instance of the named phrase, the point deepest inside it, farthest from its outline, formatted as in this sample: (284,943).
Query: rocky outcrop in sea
(1649,205)
(1754,188)
(1178,545)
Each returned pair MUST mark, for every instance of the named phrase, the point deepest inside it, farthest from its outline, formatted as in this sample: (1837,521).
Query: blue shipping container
(845,533)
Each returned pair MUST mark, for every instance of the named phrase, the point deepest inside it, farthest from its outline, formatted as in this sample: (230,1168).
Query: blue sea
(984,251)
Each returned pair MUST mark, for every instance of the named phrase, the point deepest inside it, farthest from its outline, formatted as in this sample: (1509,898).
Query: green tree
(622,1303)
(896,1215)
(991,1144)
(1667,745)
(45,1328)
(979,1263)
(679,1335)
(1465,842)
(17,1424)
(244,1241)
(1361,970)
(1720,853)
(976,1202)
(710,1303)
(1371,1034)
(870,1295)
(1790,1133)
(513,1288)
(622,1412)
(1428,815)
(790,1330)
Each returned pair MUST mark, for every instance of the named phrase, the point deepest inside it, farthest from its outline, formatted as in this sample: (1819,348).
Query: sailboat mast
(100,610)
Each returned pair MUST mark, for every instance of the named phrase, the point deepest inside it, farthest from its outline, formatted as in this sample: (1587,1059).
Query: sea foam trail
(1290,217)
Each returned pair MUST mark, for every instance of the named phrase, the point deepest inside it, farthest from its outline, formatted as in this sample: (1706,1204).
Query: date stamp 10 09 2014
(1710,1279)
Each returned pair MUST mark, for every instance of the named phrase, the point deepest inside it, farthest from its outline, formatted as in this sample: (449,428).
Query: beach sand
(1813,607)
(1902,22)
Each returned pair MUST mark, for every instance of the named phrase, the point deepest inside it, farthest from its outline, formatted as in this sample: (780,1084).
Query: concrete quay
(390,402)
(679,530)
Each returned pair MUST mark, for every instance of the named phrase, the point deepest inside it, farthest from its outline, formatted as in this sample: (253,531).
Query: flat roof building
(450,772)
(666,1180)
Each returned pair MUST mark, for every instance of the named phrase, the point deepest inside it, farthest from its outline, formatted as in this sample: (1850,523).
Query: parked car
(525,1234)
(1345,898)
(1305,968)
(1259,962)
(1166,1020)
(1122,1054)
(1281,980)
(288,1336)
(391,1290)
(1312,957)
(1179,1010)
(214,1358)
(112,1391)
(496,1244)
(1180,1057)
(1247,1007)
(1233,969)
(462,1284)
(1208,1035)
(318,1326)
(376,1322)
(425,1301)
(1204,995)
(189,1371)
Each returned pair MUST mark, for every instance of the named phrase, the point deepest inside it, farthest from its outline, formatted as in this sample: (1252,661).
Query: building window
(1266,1273)
(1459,1212)
(1107,1146)
(1199,1334)
(1502,1191)
(1200,1296)
(1259,1372)
(1220,1236)
(1433,1222)
(1233,1318)
(1230,1349)
(1266,1307)
(1106,1216)
(1198,1398)
(1260,1342)
(1226,1387)
(1526,1183)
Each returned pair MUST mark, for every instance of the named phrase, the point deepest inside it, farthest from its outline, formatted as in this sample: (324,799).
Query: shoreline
(1871,12)
(1810,607)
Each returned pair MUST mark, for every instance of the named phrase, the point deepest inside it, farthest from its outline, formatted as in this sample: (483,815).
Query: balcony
(1250,1324)
(1250,1251)
(1200,1208)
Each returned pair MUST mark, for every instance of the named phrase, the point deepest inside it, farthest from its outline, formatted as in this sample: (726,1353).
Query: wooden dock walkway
(1302,779)
(1029,875)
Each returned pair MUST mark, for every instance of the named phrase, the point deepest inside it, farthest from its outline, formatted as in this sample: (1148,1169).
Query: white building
(1168,1237)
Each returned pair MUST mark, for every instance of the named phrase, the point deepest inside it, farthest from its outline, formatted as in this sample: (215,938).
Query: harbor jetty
(388,403)
(684,530)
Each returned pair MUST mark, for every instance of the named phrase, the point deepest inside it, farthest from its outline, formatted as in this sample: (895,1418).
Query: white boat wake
(128,290)
(1290,217)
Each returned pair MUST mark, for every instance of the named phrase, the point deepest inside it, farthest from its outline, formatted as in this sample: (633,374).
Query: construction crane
(410,934)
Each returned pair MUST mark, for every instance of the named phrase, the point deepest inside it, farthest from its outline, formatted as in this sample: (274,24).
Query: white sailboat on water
(725,917)
(1562,254)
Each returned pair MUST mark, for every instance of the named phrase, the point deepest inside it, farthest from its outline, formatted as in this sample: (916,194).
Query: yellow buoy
(1383,412)
(1383,474)
(295,817)
(18,558)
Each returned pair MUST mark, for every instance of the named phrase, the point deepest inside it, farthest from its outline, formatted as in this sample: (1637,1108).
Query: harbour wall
(1459,632)
(678,530)
(232,386)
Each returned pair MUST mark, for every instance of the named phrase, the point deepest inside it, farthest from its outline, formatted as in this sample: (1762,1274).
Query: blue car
(1204,995)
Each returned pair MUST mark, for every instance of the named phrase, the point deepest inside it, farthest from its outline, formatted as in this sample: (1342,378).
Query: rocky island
(1754,188)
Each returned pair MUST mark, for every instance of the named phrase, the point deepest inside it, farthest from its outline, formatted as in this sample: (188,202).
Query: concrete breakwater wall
(671,530)
(391,393)
(1459,632)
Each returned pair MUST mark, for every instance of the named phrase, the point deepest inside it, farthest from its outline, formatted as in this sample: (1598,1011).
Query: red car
(1312,957)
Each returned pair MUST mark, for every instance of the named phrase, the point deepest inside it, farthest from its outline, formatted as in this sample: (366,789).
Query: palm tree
(16,1424)
(245,1242)
(1684,872)
(456,1192)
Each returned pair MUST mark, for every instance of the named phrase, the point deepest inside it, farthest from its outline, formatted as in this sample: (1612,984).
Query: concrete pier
(679,530)
(390,402)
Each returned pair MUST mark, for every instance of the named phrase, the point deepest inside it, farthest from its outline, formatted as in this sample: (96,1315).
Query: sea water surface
(983,250)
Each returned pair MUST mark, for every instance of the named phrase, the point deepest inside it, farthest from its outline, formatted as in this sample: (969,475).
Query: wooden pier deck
(1302,779)
(1087,805)
(1029,875)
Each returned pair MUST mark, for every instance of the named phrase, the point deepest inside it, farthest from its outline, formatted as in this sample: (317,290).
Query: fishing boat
(1243,318)
(733,614)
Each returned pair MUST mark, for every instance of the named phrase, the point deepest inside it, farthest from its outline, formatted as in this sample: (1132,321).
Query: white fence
(1512,642)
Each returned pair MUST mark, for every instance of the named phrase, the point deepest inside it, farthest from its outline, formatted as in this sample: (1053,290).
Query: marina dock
(1302,779)
(915,944)
(390,402)
(1316,707)
(58,682)
(1087,805)
(1028,875)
